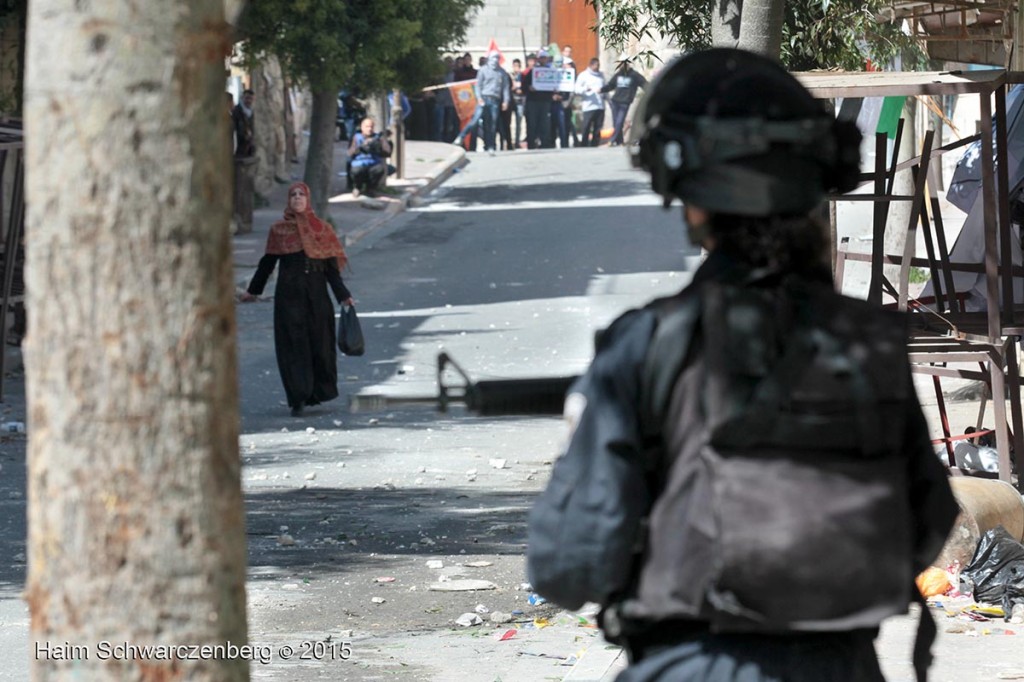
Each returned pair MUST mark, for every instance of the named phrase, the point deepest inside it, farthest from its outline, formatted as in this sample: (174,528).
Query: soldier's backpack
(804,403)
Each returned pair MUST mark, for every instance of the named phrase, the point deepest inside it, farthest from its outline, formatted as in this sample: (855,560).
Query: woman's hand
(349,302)
(247,297)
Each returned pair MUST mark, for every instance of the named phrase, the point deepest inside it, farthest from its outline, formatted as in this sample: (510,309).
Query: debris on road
(468,620)
(462,586)
(435,563)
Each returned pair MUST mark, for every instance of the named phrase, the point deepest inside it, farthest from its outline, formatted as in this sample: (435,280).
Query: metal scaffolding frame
(947,333)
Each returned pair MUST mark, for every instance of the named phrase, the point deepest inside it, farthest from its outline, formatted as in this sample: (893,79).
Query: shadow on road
(342,529)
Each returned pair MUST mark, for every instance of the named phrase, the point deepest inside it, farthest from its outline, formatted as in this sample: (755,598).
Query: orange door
(573,22)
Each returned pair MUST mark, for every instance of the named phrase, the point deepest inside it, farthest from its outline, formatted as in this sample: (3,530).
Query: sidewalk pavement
(427,165)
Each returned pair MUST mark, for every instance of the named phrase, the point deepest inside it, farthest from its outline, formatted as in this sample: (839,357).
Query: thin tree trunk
(320,157)
(754,25)
(136,526)
(725,23)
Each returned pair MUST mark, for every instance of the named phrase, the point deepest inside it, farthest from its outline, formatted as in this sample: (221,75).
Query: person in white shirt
(588,86)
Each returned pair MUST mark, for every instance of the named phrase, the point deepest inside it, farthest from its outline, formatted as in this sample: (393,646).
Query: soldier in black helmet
(749,489)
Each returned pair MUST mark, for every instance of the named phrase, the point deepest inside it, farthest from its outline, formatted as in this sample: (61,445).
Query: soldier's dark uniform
(638,538)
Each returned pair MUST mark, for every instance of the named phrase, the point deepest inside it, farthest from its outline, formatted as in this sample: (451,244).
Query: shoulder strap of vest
(677,322)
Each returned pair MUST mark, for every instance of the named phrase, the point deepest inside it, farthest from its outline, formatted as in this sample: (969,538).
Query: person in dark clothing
(539,133)
(242,116)
(517,96)
(623,86)
(244,190)
(464,70)
(310,259)
(709,499)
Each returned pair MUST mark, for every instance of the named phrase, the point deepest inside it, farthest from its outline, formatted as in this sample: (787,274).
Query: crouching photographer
(367,153)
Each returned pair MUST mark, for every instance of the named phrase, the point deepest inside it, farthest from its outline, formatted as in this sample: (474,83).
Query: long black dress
(304,335)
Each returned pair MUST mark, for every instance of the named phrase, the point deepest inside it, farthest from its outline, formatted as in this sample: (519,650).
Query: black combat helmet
(733,132)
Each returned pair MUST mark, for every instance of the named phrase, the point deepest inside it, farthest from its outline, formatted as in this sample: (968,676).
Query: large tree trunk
(754,25)
(136,526)
(271,145)
(320,158)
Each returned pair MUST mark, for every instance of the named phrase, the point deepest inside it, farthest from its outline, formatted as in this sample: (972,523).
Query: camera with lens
(374,146)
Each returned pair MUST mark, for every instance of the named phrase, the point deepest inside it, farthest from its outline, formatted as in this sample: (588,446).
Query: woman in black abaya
(311,259)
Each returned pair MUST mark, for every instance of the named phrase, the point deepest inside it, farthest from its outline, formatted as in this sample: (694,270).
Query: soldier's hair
(786,243)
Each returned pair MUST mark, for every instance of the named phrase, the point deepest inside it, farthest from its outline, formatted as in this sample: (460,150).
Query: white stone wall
(502,20)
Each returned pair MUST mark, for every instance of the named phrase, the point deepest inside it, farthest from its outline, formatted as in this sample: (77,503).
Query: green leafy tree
(816,34)
(366,45)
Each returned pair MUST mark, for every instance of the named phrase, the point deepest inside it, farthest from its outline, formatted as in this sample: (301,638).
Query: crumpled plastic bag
(996,573)
(933,582)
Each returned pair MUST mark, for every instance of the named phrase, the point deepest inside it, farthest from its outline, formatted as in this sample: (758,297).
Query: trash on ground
(378,600)
(462,586)
(507,635)
(996,573)
(468,620)
(536,600)
(497,463)
(541,623)
(285,540)
(481,609)
(933,582)
(478,564)
(435,563)
(384,579)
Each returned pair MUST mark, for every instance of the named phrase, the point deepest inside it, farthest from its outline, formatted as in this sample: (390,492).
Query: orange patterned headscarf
(304,232)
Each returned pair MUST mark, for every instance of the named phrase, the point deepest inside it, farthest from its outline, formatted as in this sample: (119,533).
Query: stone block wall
(503,20)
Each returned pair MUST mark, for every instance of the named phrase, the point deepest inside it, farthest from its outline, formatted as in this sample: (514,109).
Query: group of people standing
(544,119)
(549,114)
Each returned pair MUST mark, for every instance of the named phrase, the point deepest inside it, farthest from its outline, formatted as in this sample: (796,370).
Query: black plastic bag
(996,573)
(350,334)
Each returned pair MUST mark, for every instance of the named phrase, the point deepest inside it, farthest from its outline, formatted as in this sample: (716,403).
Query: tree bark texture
(754,25)
(136,526)
(320,157)
(269,113)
